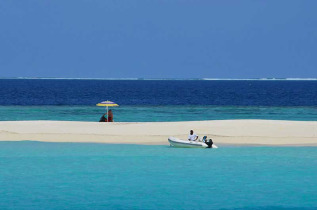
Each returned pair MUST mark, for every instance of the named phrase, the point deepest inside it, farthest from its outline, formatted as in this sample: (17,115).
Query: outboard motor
(209,143)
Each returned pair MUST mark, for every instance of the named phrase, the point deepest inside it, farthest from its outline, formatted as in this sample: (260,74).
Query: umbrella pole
(107,114)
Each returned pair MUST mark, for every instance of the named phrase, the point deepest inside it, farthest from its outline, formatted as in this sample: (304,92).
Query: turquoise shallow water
(38,175)
(157,113)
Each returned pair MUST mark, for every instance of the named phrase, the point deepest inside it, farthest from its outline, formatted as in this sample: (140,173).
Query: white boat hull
(175,142)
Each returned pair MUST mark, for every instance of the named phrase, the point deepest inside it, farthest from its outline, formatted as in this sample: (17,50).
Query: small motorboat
(202,143)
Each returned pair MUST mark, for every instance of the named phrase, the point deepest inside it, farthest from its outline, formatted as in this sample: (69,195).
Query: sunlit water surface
(38,175)
(141,113)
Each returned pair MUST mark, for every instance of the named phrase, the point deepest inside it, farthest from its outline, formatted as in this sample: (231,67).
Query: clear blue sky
(158,39)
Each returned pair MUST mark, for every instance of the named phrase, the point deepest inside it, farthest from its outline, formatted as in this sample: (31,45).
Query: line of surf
(208,79)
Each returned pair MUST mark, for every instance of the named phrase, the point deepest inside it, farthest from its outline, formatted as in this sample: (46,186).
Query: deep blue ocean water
(161,92)
(162,100)
(38,175)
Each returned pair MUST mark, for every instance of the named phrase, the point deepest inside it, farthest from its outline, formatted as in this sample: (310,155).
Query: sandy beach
(223,132)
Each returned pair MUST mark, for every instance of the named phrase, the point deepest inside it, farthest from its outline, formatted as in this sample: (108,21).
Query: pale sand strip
(232,132)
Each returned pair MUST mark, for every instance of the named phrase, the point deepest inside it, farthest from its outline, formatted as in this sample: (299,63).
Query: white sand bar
(232,132)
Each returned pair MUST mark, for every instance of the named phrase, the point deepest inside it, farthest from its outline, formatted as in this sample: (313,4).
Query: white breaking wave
(75,78)
(270,79)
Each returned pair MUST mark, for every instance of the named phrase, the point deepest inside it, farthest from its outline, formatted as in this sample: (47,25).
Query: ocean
(157,100)
(37,175)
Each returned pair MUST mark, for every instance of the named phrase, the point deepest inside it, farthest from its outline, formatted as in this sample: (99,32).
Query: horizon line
(83,78)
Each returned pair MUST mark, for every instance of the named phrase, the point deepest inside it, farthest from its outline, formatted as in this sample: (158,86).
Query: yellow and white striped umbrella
(107,104)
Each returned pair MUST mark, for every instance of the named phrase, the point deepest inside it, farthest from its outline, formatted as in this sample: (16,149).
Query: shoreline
(167,144)
(223,132)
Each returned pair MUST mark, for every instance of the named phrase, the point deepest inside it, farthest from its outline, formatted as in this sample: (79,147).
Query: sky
(158,38)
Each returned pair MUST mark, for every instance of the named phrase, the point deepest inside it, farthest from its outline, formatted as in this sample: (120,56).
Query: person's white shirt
(192,137)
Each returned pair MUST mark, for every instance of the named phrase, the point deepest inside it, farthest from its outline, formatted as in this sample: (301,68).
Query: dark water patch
(90,92)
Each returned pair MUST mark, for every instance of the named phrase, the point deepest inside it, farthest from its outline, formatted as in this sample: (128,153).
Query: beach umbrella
(107,104)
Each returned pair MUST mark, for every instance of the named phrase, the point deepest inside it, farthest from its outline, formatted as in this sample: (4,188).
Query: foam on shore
(131,78)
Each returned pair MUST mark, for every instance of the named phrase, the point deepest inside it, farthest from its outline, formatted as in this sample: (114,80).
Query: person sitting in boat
(192,136)
(103,118)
